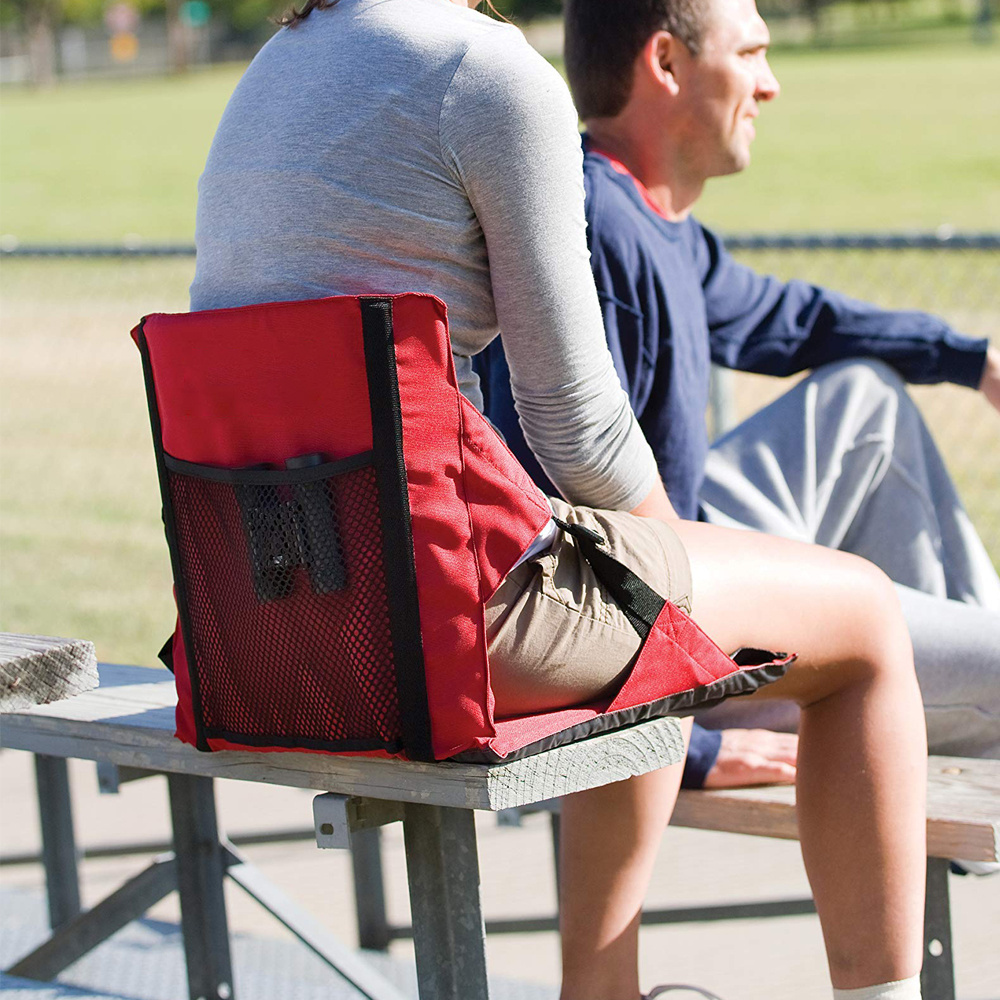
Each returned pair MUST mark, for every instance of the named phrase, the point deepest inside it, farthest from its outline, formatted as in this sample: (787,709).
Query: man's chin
(733,164)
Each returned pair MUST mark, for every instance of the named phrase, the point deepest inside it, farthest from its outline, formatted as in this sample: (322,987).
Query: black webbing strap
(639,602)
(170,526)
(397,532)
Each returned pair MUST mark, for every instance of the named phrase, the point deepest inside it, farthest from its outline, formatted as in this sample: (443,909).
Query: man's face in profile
(725,84)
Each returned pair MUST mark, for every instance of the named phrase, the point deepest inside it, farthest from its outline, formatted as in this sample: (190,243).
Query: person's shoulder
(496,55)
(612,210)
(440,33)
(503,91)
(619,226)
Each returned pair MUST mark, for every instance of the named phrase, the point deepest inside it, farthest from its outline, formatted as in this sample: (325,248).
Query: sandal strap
(671,987)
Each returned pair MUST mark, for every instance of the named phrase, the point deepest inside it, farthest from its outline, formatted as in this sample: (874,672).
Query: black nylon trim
(166,653)
(170,525)
(267,477)
(744,681)
(638,601)
(397,531)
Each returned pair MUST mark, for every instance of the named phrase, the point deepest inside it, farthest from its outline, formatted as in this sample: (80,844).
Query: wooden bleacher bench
(36,669)
(128,721)
(963,822)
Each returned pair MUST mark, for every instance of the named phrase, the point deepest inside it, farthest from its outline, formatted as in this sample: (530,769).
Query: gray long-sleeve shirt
(415,145)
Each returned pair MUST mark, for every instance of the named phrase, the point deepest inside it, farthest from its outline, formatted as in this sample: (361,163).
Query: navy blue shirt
(674,301)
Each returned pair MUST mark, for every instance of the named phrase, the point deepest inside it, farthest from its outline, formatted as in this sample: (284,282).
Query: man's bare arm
(990,383)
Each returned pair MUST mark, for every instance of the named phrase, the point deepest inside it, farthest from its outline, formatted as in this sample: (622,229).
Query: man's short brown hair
(603,37)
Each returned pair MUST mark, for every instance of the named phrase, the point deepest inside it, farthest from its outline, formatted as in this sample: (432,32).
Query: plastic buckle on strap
(581,531)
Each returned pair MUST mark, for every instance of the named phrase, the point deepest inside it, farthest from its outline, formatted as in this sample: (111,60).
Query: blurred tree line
(40,21)
(251,21)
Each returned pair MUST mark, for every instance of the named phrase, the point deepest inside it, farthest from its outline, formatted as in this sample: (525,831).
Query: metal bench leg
(937,980)
(55,809)
(81,935)
(442,866)
(348,963)
(369,889)
(555,822)
(200,870)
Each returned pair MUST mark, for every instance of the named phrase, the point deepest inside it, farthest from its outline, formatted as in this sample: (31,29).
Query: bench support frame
(937,979)
(55,812)
(442,864)
(200,871)
(196,869)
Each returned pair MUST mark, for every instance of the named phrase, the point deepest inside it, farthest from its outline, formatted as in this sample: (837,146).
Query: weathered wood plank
(129,720)
(134,708)
(37,669)
(963,810)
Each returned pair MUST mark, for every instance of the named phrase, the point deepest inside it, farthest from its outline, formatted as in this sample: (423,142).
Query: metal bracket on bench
(110,777)
(335,816)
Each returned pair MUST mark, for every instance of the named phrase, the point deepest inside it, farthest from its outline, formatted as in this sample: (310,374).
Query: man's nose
(768,87)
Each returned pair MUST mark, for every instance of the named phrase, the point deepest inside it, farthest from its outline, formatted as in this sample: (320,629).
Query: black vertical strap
(170,523)
(397,532)
(640,604)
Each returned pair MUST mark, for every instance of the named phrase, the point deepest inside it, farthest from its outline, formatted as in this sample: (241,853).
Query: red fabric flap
(508,509)
(184,713)
(676,656)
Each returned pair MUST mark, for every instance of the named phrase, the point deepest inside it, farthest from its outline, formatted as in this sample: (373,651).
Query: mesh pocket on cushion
(285,598)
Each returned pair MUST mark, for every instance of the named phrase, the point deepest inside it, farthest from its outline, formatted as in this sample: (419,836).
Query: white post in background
(722,400)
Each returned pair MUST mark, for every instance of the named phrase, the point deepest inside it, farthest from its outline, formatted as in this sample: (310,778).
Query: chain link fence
(957,278)
(82,542)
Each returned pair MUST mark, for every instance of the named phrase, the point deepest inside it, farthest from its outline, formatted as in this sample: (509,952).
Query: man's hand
(990,384)
(754,757)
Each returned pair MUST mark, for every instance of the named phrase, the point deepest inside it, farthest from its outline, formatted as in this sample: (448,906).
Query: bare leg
(862,767)
(609,840)
(862,746)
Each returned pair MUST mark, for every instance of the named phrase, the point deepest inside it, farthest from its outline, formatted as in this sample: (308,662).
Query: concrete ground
(772,959)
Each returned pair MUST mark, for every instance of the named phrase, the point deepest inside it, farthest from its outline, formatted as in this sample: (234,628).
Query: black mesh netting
(286,601)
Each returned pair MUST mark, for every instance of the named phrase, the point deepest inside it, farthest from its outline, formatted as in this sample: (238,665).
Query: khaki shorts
(555,636)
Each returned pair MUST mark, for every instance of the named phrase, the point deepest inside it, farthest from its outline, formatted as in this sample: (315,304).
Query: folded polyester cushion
(338,515)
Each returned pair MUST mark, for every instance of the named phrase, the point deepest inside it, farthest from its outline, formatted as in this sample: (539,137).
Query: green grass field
(859,140)
(81,540)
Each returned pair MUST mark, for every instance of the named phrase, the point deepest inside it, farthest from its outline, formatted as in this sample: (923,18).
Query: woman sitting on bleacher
(416,145)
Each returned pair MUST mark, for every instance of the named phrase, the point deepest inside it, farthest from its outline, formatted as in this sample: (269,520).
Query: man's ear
(657,60)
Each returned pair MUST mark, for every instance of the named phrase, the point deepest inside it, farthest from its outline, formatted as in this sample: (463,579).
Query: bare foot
(754,757)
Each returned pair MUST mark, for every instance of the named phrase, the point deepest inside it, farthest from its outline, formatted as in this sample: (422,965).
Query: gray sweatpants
(845,460)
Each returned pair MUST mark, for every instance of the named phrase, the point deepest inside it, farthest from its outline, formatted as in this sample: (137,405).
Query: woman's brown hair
(293,16)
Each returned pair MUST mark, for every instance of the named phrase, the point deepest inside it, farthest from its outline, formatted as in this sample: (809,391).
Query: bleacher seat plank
(37,669)
(129,720)
(963,810)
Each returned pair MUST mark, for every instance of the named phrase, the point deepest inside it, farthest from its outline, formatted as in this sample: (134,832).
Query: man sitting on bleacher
(668,91)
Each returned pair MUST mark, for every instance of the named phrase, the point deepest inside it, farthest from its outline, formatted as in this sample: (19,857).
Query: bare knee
(876,642)
(857,640)
(870,394)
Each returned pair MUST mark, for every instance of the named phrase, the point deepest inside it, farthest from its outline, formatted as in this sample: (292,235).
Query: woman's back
(380,146)
(316,154)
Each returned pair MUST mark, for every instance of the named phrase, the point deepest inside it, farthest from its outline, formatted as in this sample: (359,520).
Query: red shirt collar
(620,168)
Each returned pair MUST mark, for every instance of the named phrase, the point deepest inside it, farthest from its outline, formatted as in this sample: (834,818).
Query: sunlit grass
(859,139)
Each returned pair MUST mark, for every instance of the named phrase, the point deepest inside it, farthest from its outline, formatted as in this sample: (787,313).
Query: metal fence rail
(79,492)
(941,239)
